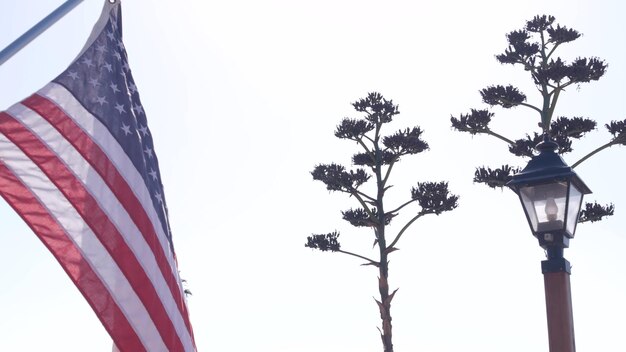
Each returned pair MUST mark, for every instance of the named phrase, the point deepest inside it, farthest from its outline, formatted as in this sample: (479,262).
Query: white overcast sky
(242,98)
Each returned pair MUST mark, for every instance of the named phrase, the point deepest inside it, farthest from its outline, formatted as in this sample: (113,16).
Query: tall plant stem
(384,304)
(499,136)
(597,150)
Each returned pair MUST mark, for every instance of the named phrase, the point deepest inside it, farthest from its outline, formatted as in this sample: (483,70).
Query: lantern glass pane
(545,205)
(573,210)
(529,208)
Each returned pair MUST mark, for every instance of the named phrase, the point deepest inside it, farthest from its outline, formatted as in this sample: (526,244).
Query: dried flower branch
(378,156)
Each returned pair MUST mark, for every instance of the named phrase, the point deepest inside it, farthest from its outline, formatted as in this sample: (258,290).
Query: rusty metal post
(556,274)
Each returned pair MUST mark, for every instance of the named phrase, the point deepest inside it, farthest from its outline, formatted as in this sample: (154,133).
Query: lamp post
(551,194)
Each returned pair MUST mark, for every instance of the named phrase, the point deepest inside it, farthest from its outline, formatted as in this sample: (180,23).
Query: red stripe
(116,182)
(97,220)
(68,255)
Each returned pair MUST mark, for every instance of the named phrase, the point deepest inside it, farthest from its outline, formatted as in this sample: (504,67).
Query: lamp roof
(545,167)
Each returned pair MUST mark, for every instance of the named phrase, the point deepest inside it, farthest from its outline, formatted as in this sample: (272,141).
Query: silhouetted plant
(533,48)
(379,156)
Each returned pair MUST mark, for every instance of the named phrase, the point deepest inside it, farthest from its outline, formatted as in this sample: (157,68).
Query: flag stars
(125,66)
(87,61)
(101,49)
(153,174)
(94,82)
(138,109)
(120,44)
(73,75)
(148,152)
(117,55)
(126,129)
(108,66)
(101,100)
(132,88)
(114,87)
(159,197)
(120,108)
(111,35)
(143,130)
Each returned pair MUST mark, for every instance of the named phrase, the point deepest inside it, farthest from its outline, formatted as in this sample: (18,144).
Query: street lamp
(551,194)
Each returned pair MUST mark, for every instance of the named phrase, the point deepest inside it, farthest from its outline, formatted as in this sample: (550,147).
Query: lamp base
(556,265)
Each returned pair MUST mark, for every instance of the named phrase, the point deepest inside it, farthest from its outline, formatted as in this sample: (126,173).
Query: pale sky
(242,99)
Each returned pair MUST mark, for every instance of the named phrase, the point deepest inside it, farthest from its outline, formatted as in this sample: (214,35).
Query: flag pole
(37,29)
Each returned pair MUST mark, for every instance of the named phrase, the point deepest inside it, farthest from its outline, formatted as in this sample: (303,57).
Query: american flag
(77,163)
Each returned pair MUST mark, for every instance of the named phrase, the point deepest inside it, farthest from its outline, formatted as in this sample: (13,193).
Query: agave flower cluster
(533,48)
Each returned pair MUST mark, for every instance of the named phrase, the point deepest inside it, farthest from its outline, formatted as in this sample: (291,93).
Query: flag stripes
(106,155)
(85,144)
(98,216)
(53,141)
(63,248)
(76,244)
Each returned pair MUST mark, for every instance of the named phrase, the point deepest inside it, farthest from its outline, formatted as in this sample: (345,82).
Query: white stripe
(87,243)
(103,138)
(110,205)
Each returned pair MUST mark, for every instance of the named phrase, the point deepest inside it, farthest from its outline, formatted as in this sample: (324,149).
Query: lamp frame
(547,168)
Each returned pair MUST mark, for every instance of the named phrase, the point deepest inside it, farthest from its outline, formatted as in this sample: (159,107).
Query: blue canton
(101,80)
